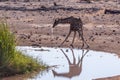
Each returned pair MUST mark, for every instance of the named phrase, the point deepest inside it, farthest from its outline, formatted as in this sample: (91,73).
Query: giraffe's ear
(79,18)
(56,19)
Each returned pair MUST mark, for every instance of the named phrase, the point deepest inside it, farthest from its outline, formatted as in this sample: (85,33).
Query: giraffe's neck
(66,20)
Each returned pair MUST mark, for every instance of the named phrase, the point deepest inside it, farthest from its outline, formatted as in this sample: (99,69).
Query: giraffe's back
(76,24)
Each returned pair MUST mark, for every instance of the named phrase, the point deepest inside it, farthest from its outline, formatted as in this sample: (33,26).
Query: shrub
(11,60)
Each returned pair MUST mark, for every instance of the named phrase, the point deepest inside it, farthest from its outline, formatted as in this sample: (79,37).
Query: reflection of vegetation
(12,61)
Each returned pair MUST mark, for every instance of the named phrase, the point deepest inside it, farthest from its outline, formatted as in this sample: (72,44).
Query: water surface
(73,64)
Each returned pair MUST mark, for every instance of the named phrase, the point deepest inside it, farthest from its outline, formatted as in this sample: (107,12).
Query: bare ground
(32,24)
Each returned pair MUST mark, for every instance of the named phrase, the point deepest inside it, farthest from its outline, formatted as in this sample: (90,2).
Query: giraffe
(76,25)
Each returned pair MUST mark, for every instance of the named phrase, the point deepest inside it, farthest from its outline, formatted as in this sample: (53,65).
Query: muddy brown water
(73,64)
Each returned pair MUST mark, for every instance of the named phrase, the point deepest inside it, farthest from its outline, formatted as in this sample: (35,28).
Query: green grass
(13,61)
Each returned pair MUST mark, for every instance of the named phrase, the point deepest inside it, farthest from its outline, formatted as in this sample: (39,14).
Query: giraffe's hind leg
(81,35)
(66,38)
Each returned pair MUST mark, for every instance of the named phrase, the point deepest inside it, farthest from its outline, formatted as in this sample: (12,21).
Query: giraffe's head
(56,22)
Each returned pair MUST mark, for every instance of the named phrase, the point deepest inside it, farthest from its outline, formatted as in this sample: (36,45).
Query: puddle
(74,64)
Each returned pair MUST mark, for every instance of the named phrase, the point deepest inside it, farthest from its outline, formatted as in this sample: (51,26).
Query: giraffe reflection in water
(75,68)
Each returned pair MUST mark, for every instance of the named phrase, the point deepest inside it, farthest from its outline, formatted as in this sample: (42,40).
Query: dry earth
(31,22)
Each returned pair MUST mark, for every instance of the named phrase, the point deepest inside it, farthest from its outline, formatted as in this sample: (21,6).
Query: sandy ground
(31,22)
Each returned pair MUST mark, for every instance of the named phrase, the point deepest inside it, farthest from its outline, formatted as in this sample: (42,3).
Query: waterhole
(73,64)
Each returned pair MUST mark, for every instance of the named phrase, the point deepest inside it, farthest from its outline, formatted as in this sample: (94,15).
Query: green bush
(7,46)
(11,60)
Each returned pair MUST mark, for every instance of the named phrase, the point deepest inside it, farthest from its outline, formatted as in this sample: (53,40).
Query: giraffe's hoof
(59,45)
(72,46)
(87,47)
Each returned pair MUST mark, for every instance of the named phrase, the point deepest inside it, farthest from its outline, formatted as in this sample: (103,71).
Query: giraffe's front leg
(66,37)
(73,39)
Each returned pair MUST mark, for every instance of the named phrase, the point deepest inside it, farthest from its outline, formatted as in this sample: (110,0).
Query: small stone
(113,30)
